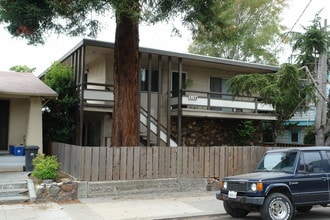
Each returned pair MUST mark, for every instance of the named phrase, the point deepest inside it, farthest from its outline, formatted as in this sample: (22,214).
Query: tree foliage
(289,90)
(251,34)
(33,19)
(59,114)
(310,44)
(22,69)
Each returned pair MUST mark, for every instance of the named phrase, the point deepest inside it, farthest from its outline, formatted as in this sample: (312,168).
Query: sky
(15,51)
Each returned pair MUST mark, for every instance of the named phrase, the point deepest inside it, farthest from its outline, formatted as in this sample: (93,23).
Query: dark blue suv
(285,180)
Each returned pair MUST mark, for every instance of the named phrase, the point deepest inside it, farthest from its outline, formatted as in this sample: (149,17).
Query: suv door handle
(324,179)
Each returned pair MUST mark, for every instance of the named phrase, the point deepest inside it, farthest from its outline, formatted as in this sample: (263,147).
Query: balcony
(97,97)
(219,105)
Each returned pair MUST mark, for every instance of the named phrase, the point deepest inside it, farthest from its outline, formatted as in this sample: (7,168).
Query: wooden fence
(128,163)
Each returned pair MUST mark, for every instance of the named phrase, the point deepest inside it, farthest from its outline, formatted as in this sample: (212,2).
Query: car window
(278,161)
(311,162)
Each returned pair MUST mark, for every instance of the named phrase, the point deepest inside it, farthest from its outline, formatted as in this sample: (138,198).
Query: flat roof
(188,56)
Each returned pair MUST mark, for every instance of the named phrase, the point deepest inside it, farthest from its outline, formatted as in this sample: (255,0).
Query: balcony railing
(97,94)
(223,102)
(101,95)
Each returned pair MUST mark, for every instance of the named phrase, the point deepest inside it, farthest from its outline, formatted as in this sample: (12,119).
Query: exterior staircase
(153,130)
(17,191)
(15,185)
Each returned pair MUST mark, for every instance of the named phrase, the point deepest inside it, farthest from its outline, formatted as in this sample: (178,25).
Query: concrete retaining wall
(112,188)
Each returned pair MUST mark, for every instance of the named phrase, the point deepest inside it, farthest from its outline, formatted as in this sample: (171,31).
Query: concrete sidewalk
(139,206)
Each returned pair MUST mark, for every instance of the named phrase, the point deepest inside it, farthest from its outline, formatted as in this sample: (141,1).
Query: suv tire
(234,212)
(277,206)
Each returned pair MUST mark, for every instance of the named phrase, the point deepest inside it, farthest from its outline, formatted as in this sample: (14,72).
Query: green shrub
(45,167)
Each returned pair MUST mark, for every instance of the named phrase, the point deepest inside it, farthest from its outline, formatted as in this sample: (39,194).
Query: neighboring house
(21,96)
(296,127)
(185,104)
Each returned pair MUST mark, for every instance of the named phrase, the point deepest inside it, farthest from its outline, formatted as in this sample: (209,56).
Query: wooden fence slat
(137,157)
(167,162)
(109,164)
(88,164)
(161,163)
(81,163)
(195,162)
(212,162)
(201,162)
(155,162)
(102,163)
(223,162)
(149,163)
(173,153)
(95,163)
(246,160)
(143,163)
(130,162)
(116,163)
(190,162)
(123,163)
(179,162)
(229,164)
(216,163)
(207,162)
(185,157)
(75,160)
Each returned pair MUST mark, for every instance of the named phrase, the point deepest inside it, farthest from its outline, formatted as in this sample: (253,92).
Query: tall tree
(32,19)
(22,69)
(251,35)
(312,47)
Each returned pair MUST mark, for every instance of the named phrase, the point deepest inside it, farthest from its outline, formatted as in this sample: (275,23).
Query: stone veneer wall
(212,131)
(63,191)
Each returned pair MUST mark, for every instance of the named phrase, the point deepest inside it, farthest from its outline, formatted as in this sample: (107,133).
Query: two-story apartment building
(184,98)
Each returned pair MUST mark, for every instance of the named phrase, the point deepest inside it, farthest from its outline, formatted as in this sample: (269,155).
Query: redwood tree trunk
(125,111)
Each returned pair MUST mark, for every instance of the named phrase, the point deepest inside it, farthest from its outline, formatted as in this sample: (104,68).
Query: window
(145,80)
(294,136)
(311,162)
(175,83)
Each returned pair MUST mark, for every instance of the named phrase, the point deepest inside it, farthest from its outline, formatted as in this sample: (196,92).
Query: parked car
(284,180)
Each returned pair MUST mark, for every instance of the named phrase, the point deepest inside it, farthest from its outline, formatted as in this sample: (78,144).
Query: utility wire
(287,33)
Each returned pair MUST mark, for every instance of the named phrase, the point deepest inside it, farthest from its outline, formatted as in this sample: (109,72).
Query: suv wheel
(277,207)
(234,212)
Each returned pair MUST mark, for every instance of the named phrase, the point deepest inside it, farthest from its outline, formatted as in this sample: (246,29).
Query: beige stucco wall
(34,125)
(25,122)
(18,120)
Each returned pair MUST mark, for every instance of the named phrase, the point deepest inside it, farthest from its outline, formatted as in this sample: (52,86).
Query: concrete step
(14,199)
(13,185)
(11,168)
(13,192)
(16,192)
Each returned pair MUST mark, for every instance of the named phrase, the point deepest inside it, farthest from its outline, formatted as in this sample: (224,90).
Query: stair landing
(11,163)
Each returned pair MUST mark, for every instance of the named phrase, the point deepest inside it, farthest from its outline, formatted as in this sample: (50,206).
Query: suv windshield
(278,161)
